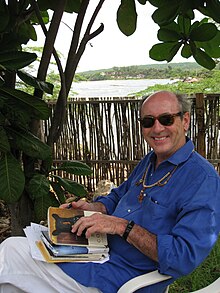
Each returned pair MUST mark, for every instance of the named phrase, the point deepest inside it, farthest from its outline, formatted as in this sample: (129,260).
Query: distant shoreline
(114,88)
(152,71)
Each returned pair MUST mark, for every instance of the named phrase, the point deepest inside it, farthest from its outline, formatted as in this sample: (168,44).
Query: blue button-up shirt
(184,213)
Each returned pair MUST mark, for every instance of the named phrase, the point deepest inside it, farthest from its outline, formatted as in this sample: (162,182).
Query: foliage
(153,71)
(206,83)
(178,30)
(25,160)
(17,108)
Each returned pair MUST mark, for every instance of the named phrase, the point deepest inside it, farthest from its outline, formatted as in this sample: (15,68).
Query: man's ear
(186,121)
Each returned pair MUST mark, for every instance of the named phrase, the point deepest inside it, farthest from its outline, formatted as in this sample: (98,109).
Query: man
(166,216)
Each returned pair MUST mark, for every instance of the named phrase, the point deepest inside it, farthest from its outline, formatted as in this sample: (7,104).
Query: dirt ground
(5,222)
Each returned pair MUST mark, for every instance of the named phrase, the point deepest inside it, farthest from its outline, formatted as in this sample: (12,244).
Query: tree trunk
(21,215)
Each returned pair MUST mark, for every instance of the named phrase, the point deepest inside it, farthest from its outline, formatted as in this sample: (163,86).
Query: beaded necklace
(161,182)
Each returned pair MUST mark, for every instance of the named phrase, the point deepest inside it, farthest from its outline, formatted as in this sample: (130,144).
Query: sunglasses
(164,119)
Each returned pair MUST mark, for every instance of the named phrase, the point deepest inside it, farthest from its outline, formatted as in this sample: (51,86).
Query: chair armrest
(142,281)
(212,288)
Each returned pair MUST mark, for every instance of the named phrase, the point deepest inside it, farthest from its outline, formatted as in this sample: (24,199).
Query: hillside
(149,71)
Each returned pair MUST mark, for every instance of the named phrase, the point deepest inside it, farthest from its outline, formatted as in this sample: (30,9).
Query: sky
(112,48)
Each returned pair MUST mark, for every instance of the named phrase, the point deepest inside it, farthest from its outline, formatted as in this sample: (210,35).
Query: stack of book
(59,244)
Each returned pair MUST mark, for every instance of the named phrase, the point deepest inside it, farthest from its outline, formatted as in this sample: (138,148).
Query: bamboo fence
(105,134)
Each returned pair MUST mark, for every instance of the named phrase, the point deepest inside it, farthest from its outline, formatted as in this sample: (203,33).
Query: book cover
(60,222)
(49,257)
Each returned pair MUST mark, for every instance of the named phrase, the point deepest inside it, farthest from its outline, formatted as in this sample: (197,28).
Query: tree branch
(49,41)
(74,54)
(60,109)
(56,57)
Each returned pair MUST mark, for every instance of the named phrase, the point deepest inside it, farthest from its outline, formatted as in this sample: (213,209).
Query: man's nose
(158,127)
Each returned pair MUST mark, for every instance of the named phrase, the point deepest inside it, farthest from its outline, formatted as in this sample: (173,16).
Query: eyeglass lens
(166,120)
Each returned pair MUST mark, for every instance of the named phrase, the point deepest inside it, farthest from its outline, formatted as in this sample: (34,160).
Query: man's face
(165,140)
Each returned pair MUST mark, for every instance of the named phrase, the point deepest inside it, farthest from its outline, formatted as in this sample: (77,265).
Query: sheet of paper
(33,233)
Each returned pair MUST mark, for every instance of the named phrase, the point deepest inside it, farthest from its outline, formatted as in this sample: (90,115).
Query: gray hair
(184,102)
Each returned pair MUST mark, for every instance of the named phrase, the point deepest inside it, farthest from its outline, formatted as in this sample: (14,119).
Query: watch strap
(128,228)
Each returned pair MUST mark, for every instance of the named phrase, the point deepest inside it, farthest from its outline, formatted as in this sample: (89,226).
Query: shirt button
(129,210)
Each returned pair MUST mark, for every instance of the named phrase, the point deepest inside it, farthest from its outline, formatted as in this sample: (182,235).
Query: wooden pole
(201,146)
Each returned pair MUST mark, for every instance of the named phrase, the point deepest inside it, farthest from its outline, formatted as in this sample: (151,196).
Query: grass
(204,275)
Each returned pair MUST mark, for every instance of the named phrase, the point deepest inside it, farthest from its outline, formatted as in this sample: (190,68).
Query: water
(114,88)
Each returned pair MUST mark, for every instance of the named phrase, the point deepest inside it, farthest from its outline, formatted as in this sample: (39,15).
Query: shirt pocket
(158,219)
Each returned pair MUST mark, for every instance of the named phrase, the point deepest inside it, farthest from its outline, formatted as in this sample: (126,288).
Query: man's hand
(85,206)
(100,223)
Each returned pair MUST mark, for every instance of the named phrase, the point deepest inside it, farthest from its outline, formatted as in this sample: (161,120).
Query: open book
(59,244)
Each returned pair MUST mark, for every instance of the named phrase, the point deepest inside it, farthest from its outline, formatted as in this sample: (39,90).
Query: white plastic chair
(155,277)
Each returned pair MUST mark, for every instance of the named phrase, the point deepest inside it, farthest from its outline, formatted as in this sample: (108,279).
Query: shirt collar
(180,156)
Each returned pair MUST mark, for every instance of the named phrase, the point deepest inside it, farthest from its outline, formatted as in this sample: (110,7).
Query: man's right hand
(85,206)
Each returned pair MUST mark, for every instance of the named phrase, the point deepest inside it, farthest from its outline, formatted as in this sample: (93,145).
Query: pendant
(141,196)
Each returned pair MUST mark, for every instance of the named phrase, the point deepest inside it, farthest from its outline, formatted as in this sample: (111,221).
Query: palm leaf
(71,186)
(38,186)
(33,104)
(30,144)
(75,167)
(12,178)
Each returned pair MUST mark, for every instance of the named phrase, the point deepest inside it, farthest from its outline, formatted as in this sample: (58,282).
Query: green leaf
(59,191)
(212,48)
(186,51)
(173,51)
(38,186)
(4,144)
(2,82)
(204,59)
(42,204)
(16,60)
(211,9)
(4,16)
(204,32)
(71,186)
(194,25)
(156,3)
(16,114)
(161,51)
(37,107)
(44,15)
(184,24)
(36,83)
(189,14)
(30,144)
(12,179)
(166,13)
(2,117)
(143,2)
(73,6)
(168,35)
(26,32)
(173,26)
(75,167)
(127,17)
